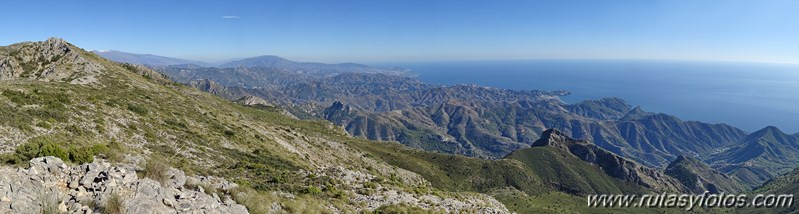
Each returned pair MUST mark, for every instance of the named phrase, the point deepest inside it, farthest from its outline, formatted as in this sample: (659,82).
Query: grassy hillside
(784,184)
(131,114)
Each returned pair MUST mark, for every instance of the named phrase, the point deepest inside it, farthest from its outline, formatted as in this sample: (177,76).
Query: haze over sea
(747,95)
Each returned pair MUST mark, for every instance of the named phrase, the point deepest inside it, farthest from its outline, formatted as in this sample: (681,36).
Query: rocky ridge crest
(612,164)
(50,60)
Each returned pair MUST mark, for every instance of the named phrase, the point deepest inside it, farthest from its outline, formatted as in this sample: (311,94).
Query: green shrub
(29,150)
(229,133)
(81,155)
(17,97)
(141,110)
(313,190)
(335,192)
(111,151)
(44,124)
(149,136)
(100,128)
(10,158)
(175,123)
(46,146)
(52,149)
(75,130)
(99,148)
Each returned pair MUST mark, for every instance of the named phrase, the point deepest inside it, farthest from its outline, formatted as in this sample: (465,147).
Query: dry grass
(48,202)
(155,168)
(113,205)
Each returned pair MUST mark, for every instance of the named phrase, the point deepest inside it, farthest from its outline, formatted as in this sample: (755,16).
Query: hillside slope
(760,156)
(787,183)
(70,103)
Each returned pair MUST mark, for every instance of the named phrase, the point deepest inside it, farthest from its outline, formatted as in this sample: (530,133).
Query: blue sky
(424,30)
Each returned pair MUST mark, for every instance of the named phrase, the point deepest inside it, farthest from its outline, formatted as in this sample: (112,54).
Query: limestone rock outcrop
(49,184)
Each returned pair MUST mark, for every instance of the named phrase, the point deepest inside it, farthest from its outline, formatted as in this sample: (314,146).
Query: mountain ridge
(760,156)
(610,163)
(276,61)
(145,59)
(699,177)
(270,61)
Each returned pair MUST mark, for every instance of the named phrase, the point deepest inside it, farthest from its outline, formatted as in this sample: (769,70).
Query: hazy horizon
(388,63)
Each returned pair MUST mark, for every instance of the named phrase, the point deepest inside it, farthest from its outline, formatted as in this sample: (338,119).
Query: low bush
(52,149)
(313,190)
(138,109)
(45,146)
(81,155)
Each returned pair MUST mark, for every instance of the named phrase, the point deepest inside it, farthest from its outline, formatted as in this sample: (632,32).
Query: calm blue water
(746,95)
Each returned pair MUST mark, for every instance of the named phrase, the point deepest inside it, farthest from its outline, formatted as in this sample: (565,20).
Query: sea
(746,95)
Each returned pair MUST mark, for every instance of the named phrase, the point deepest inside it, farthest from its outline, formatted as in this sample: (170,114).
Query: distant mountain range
(492,123)
(277,62)
(145,59)
(464,119)
(273,62)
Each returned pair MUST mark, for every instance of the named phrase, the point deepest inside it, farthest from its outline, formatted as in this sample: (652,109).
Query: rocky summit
(51,60)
